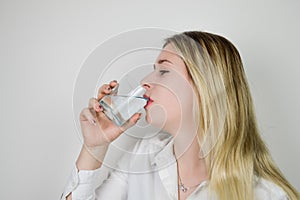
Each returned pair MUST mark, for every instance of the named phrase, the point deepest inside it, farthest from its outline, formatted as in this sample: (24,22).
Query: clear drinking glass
(119,108)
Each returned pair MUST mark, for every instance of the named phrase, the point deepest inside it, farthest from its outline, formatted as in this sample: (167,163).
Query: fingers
(113,83)
(94,103)
(86,115)
(106,89)
(131,122)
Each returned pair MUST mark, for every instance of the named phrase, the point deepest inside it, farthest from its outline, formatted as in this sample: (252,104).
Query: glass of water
(119,108)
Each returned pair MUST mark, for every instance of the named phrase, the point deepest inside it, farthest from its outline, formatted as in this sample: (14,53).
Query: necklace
(181,185)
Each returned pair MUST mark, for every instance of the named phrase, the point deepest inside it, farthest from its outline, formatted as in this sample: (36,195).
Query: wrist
(91,158)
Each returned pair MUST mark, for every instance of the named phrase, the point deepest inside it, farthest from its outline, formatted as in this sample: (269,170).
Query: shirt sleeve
(83,183)
(101,183)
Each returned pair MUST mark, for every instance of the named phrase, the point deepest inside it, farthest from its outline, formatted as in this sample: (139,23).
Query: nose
(146,83)
(146,86)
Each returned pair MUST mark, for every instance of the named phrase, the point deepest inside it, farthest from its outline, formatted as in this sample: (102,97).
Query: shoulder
(265,189)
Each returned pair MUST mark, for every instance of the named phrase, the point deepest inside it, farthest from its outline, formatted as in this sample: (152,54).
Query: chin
(155,121)
(148,119)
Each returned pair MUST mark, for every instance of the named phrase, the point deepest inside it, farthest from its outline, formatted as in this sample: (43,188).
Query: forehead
(174,60)
(168,52)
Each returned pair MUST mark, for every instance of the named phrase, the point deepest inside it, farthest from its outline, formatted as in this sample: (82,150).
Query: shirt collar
(163,147)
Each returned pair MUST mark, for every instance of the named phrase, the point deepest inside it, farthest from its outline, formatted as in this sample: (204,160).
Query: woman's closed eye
(162,71)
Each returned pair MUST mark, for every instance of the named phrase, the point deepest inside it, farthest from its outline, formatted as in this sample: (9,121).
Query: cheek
(180,88)
(173,100)
(172,107)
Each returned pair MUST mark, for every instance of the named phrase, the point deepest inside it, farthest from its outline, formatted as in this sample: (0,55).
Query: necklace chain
(181,185)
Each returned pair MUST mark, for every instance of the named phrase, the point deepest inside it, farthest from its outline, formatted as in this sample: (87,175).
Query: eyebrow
(161,61)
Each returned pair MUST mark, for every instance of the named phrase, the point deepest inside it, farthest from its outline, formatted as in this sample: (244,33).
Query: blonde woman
(210,146)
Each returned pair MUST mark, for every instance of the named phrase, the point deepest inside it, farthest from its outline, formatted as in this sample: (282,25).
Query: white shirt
(155,178)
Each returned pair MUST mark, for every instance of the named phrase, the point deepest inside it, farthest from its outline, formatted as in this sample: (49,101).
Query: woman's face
(170,91)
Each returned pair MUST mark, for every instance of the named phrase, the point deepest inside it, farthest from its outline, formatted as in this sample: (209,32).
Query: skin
(171,89)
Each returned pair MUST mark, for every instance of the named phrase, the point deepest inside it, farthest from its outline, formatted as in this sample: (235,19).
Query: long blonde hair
(237,154)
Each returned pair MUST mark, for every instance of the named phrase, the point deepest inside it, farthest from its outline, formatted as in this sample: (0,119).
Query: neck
(188,157)
(186,151)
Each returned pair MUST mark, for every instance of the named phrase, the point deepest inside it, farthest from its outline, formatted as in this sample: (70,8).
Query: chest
(159,186)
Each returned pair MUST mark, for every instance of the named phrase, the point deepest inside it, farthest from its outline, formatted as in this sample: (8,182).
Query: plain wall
(44,43)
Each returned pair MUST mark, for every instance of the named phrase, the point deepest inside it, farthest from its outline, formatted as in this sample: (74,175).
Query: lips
(148,102)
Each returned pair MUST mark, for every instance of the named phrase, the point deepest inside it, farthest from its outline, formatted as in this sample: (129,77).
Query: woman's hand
(96,128)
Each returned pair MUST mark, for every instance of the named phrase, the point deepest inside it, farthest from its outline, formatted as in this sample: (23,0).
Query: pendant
(182,187)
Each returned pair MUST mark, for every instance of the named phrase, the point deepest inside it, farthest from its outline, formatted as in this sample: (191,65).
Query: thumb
(131,122)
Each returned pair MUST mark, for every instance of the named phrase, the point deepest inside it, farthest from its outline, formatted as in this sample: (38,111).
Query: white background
(44,43)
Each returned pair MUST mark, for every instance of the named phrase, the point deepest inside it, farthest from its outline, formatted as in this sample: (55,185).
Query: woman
(198,94)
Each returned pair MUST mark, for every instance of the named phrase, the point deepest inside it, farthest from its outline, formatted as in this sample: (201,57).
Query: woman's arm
(98,131)
(87,161)
(91,159)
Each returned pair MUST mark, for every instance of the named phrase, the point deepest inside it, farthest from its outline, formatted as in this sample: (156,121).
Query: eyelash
(162,72)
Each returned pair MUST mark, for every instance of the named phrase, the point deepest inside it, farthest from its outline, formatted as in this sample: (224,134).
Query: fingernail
(140,115)
(93,122)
